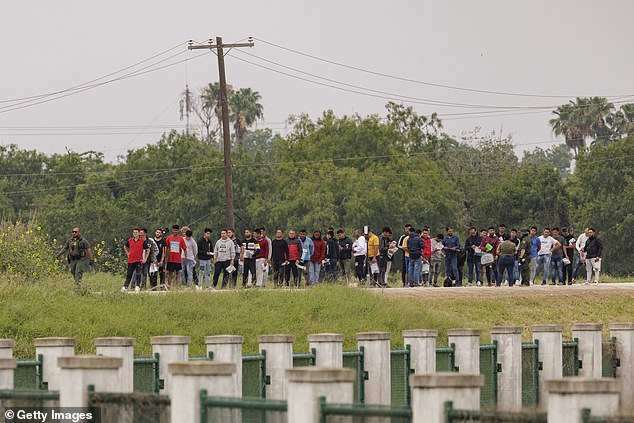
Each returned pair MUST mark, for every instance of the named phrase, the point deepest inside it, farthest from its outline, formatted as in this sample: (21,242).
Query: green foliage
(558,157)
(27,252)
(604,198)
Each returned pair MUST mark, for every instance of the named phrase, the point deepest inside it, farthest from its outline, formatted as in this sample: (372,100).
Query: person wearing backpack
(79,256)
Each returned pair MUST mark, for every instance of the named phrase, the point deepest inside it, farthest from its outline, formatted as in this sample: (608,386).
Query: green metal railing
(401,368)
(147,375)
(305,358)
(359,411)
(489,367)
(586,417)
(254,377)
(530,374)
(446,358)
(209,356)
(24,394)
(29,374)
(610,358)
(355,359)
(570,357)
(463,416)
(249,409)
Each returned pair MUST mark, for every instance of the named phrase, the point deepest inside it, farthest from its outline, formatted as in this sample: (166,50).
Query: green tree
(583,118)
(558,157)
(245,109)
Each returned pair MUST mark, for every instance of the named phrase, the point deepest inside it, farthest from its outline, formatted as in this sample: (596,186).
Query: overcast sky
(539,48)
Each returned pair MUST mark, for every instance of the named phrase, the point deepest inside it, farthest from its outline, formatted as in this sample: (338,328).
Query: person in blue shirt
(535,246)
(451,245)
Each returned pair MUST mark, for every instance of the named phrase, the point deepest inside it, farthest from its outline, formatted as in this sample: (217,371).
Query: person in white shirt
(544,255)
(580,260)
(359,250)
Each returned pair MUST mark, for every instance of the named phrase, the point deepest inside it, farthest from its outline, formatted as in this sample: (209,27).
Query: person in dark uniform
(79,256)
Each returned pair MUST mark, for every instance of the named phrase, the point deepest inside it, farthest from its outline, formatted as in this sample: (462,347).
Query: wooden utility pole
(224,106)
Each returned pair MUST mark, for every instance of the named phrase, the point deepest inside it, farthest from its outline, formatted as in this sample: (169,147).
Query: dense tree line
(342,171)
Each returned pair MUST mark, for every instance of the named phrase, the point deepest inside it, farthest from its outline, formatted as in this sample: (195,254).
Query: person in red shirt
(137,249)
(317,258)
(426,255)
(261,259)
(294,253)
(175,248)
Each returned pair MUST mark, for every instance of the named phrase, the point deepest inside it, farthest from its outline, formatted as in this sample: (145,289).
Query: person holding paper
(452,248)
(224,254)
(592,249)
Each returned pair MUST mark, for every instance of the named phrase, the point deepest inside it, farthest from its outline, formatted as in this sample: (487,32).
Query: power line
(429,101)
(93,80)
(10,108)
(452,87)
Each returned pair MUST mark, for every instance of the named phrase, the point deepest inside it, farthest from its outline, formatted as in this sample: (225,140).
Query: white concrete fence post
(77,372)
(509,352)
(431,391)
(467,342)
(328,349)
(171,349)
(124,349)
(188,378)
(228,349)
(307,384)
(51,349)
(550,354)
(279,358)
(6,348)
(589,337)
(624,334)
(378,365)
(7,367)
(422,344)
(567,397)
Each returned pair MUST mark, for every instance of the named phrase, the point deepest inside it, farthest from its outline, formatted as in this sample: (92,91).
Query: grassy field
(32,310)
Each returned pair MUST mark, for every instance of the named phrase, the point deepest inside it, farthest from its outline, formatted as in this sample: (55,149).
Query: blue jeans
(557,265)
(188,265)
(516,271)
(474,263)
(543,261)
(451,268)
(313,272)
(414,271)
(204,272)
(506,263)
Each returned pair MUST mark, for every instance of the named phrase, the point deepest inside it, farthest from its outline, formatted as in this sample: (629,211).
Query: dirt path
(624,289)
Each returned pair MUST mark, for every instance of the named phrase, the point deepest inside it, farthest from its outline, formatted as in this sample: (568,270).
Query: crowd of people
(510,258)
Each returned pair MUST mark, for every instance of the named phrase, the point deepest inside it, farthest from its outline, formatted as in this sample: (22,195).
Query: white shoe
(478,283)
(197,287)
(123,289)
(137,289)
(516,282)
(596,282)
(586,283)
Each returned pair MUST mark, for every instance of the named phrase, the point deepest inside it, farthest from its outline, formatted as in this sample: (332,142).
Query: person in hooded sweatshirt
(294,255)
(224,255)
(316,258)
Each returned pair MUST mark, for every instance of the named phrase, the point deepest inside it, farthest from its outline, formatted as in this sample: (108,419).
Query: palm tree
(585,117)
(245,110)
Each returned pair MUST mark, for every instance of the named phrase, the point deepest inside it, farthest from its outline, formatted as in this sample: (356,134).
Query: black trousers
(160,274)
(359,267)
(133,268)
(292,269)
(249,266)
(220,267)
